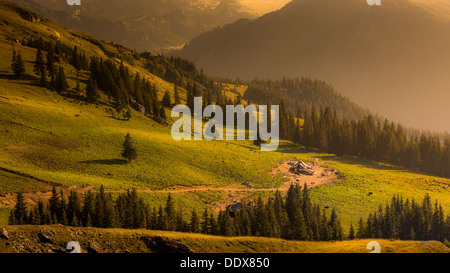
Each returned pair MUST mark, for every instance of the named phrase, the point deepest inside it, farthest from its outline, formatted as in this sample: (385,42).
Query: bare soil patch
(323,175)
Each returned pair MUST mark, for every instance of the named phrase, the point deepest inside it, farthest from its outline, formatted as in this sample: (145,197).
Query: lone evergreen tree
(18,66)
(129,152)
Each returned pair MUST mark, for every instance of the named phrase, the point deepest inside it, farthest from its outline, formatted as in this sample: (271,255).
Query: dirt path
(234,193)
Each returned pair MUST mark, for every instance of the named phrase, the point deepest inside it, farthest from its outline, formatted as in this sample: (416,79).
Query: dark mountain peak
(391,58)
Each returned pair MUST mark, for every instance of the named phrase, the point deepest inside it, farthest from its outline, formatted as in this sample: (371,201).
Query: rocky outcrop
(55,239)
(4,234)
(160,244)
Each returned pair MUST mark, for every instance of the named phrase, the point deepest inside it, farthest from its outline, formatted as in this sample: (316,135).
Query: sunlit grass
(62,139)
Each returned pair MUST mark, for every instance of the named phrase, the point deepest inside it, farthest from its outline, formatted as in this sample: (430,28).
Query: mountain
(153,25)
(393,59)
(61,138)
(261,7)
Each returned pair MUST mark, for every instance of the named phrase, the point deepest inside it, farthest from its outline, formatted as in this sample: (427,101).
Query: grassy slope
(130,240)
(49,131)
(60,139)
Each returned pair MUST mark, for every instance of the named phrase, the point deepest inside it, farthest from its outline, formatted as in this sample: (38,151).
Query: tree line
(406,220)
(369,138)
(115,81)
(176,70)
(294,217)
(300,95)
(314,115)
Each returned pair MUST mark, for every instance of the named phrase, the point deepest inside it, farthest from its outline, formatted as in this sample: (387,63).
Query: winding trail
(234,193)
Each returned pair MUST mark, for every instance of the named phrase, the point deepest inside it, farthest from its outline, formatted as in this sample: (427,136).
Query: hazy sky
(393,58)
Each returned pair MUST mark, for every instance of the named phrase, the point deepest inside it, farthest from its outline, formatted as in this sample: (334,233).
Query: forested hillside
(149,25)
(391,58)
(299,95)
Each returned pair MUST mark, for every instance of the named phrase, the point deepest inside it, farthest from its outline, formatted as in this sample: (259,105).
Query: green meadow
(58,138)
(63,140)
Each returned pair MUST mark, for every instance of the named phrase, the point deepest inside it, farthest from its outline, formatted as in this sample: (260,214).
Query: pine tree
(39,67)
(43,215)
(170,213)
(64,221)
(299,227)
(77,86)
(109,213)
(88,209)
(51,70)
(214,229)
(176,95)
(14,59)
(360,233)
(244,220)
(61,81)
(75,60)
(19,215)
(274,227)
(18,66)
(166,100)
(162,112)
(162,220)
(156,108)
(99,211)
(54,204)
(195,222)
(205,225)
(35,217)
(137,89)
(351,233)
(181,224)
(92,93)
(62,216)
(261,223)
(225,224)
(129,152)
(73,208)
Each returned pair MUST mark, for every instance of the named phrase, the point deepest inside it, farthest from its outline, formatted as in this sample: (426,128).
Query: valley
(384,58)
(149,25)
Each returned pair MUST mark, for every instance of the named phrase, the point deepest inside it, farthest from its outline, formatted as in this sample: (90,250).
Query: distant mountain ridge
(152,25)
(393,58)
